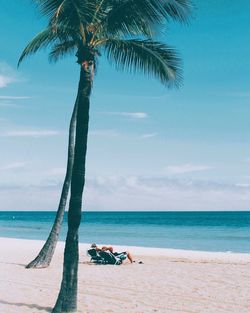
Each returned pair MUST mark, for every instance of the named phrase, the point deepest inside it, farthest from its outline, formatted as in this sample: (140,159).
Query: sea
(202,231)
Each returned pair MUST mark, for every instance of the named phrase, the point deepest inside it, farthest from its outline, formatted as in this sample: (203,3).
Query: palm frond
(60,50)
(150,57)
(179,10)
(99,11)
(71,11)
(40,41)
(49,7)
(133,17)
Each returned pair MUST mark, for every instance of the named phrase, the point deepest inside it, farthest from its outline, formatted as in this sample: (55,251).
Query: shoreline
(192,255)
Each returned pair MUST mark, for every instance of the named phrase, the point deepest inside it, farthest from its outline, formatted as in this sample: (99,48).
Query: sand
(168,281)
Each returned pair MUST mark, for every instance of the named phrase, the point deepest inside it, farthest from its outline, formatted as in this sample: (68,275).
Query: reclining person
(111,249)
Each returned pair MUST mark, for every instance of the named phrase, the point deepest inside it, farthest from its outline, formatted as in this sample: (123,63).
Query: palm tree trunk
(44,257)
(67,298)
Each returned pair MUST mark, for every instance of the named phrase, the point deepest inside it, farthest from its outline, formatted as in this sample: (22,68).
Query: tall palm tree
(123,30)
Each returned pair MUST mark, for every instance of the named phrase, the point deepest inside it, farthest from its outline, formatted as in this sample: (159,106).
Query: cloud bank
(132,193)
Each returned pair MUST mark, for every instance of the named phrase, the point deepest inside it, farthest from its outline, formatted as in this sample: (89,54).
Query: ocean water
(205,231)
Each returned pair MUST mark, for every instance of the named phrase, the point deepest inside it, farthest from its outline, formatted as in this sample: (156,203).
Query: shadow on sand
(19,264)
(31,306)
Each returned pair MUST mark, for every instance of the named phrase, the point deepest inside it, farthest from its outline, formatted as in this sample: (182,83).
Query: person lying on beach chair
(106,257)
(120,255)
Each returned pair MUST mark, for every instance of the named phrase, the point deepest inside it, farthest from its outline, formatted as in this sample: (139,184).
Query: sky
(149,148)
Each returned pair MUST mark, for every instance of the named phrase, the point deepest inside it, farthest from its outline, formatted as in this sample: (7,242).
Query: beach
(166,281)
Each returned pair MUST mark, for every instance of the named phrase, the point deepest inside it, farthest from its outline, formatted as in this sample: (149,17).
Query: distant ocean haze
(205,231)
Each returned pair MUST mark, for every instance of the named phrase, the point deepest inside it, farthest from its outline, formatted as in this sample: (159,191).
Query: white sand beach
(168,281)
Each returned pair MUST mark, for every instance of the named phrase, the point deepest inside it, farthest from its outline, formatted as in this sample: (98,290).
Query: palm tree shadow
(31,306)
(19,264)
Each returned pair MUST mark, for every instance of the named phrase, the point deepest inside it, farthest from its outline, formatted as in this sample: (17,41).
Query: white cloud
(6,80)
(12,166)
(134,115)
(152,193)
(7,75)
(137,115)
(186,168)
(8,101)
(57,172)
(30,133)
(104,132)
(14,97)
(242,185)
(151,135)
(9,105)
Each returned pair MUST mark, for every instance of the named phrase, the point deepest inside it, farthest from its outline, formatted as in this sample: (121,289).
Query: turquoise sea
(207,231)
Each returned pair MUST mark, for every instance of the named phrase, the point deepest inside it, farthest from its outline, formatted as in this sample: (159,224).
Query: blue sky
(150,148)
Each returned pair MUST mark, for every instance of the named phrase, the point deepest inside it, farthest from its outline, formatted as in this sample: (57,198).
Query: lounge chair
(106,257)
(110,258)
(95,256)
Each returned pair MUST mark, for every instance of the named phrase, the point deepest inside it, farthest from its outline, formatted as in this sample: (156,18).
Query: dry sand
(168,281)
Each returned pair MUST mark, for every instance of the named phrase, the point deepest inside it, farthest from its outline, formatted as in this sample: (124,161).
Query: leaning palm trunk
(67,298)
(44,257)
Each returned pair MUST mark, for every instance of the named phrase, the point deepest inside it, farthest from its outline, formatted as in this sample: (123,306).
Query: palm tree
(45,255)
(124,31)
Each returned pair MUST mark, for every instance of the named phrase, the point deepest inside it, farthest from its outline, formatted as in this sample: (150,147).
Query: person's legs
(129,255)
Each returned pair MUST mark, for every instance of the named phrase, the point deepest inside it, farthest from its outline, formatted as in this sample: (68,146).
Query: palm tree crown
(122,29)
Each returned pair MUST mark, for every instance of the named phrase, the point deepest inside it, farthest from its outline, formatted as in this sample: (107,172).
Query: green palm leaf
(71,10)
(40,41)
(49,7)
(60,50)
(146,56)
(141,16)
(133,16)
(179,10)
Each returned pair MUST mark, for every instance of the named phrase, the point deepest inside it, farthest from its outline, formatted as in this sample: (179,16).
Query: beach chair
(95,256)
(110,258)
(106,257)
